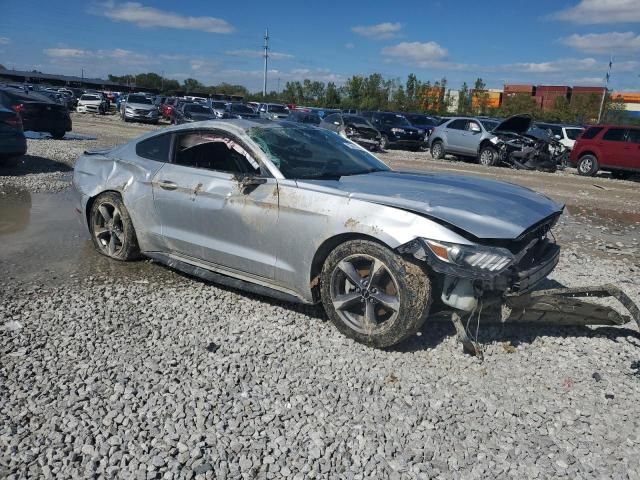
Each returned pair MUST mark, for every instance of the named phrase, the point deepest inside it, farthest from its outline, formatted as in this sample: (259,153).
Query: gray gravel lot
(111,370)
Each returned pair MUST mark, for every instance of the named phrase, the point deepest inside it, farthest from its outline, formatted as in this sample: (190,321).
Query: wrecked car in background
(355,128)
(139,107)
(302,214)
(92,103)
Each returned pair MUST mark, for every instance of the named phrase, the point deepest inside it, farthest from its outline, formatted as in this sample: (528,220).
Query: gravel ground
(135,371)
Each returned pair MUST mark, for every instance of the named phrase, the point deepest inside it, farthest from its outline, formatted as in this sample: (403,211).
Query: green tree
(481,96)
(464,100)
(331,97)
(518,103)
(191,85)
(399,99)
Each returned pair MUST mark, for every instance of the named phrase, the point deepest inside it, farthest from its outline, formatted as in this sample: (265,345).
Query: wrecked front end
(367,137)
(491,269)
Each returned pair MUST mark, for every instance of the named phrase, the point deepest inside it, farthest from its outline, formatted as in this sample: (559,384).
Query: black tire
(437,150)
(401,283)
(487,156)
(57,134)
(587,165)
(119,230)
(384,142)
(9,161)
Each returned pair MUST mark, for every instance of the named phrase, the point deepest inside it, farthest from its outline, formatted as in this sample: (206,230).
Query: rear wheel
(111,229)
(372,294)
(437,150)
(587,165)
(384,142)
(487,156)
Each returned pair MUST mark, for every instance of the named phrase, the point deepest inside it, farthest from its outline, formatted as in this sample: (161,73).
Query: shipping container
(597,90)
(627,97)
(510,89)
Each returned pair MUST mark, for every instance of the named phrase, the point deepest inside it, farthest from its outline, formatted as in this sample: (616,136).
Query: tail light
(18,107)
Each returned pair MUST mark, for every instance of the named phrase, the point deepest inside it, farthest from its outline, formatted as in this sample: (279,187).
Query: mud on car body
(303,214)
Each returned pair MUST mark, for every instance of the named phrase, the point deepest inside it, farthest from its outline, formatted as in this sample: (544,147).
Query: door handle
(167,185)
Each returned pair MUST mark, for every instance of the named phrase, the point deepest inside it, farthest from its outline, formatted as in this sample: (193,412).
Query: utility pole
(266,58)
(604,92)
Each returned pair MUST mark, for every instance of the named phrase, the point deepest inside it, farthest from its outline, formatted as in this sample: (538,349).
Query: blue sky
(514,41)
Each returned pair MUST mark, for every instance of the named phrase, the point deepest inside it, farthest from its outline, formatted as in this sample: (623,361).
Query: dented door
(207,215)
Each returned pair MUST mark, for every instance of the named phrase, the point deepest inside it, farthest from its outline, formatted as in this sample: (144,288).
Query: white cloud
(143,16)
(380,31)
(65,52)
(5,40)
(258,53)
(609,43)
(415,53)
(116,56)
(173,57)
(562,65)
(601,11)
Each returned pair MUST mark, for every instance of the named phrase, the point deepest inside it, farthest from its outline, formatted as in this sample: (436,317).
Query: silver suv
(464,136)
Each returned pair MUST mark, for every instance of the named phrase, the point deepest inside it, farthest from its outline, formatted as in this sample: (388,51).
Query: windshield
(195,108)
(89,97)
(139,99)
(218,105)
(394,120)
(241,109)
(489,125)
(277,109)
(302,152)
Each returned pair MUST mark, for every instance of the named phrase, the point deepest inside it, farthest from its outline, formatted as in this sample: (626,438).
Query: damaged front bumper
(464,286)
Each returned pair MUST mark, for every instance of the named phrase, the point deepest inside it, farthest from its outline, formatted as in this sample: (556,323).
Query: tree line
(374,92)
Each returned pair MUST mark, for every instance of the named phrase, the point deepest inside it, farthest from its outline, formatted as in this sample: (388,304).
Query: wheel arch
(323,251)
(92,199)
(485,143)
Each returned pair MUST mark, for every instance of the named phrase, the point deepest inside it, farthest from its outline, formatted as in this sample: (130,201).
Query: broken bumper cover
(518,278)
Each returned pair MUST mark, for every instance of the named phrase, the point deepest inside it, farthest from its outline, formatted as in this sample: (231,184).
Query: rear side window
(591,133)
(573,133)
(458,124)
(615,135)
(213,151)
(155,148)
(634,135)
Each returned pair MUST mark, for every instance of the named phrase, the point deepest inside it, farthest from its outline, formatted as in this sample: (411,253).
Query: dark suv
(396,130)
(607,147)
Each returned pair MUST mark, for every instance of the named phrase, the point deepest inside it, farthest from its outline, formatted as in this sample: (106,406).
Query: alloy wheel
(486,157)
(586,165)
(108,228)
(365,293)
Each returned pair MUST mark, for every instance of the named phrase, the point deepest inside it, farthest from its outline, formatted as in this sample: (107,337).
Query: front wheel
(384,142)
(57,134)
(587,165)
(112,231)
(372,294)
(487,156)
(437,150)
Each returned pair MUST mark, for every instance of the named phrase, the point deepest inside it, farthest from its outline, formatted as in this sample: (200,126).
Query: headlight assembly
(476,257)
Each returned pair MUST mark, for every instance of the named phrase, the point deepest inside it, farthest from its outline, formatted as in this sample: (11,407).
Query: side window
(573,133)
(633,135)
(459,124)
(473,127)
(155,148)
(615,135)
(213,151)
(591,133)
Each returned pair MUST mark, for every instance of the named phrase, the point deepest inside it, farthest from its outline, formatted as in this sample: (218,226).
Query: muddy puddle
(42,239)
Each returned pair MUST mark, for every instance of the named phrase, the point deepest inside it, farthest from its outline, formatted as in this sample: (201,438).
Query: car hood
(487,209)
(516,124)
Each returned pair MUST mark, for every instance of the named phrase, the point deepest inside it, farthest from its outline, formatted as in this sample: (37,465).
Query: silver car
(302,214)
(140,108)
(464,136)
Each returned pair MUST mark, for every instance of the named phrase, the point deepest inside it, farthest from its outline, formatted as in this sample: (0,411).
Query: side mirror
(249,182)
(557,137)
(336,123)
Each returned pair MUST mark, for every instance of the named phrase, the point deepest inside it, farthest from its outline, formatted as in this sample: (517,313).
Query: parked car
(92,103)
(355,128)
(13,143)
(607,147)
(395,129)
(165,107)
(423,122)
(296,212)
(38,113)
(302,116)
(219,108)
(140,108)
(464,136)
(240,110)
(192,112)
(565,134)
(273,111)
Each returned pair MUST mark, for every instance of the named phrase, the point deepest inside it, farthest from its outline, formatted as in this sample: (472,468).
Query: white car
(565,134)
(91,103)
